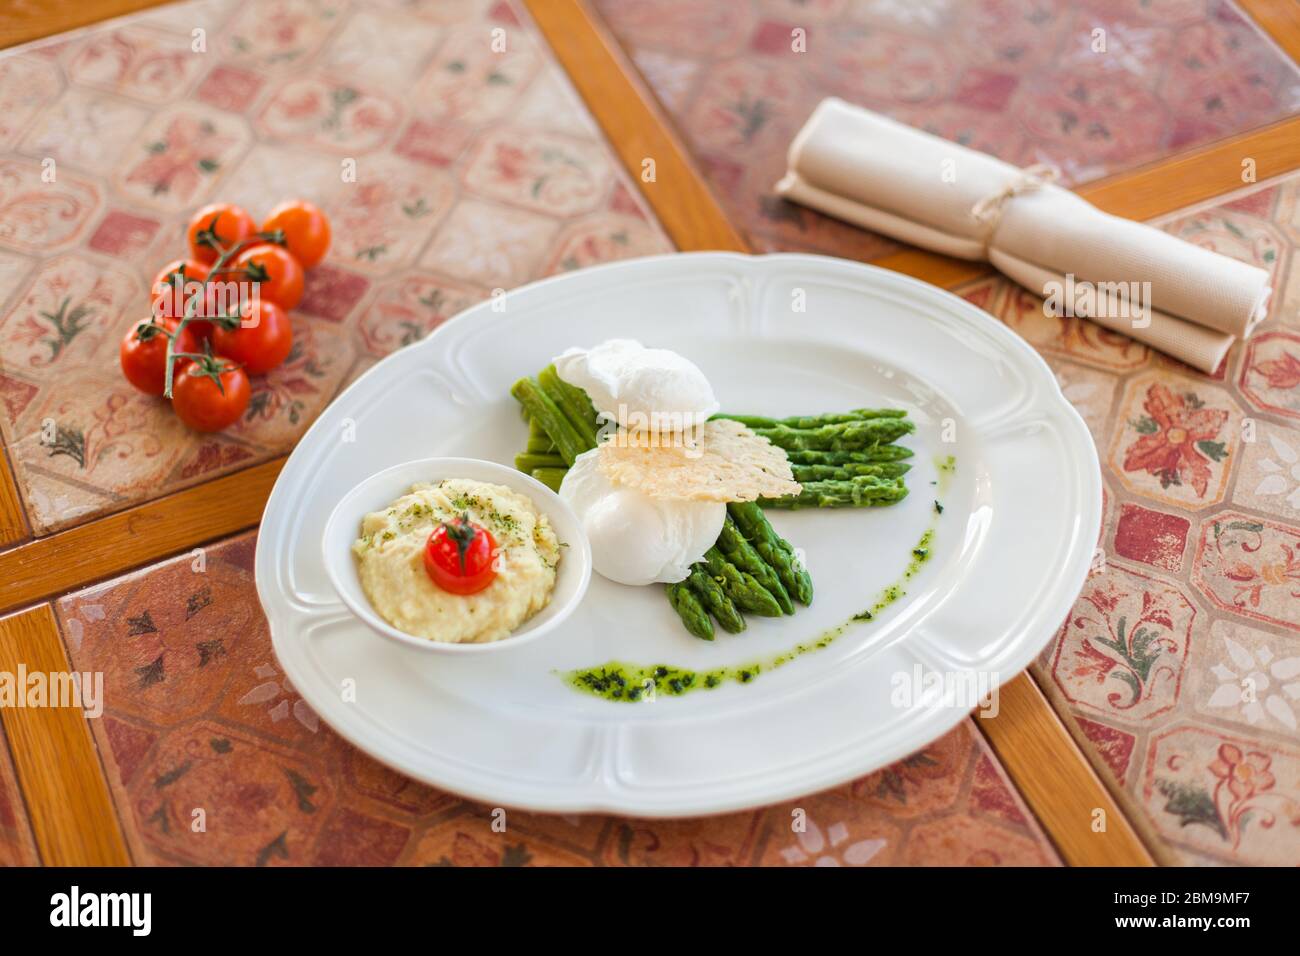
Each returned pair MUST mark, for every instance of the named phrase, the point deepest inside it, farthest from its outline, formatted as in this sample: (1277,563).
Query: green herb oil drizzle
(632,683)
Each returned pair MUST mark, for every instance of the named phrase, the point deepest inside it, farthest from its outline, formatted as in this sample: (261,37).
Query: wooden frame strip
(637,128)
(13,517)
(71,811)
(108,546)
(1280,19)
(24,22)
(1058,782)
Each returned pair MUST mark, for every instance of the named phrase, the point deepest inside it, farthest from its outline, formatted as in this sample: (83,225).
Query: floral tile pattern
(1093,86)
(474,170)
(212,758)
(1180,661)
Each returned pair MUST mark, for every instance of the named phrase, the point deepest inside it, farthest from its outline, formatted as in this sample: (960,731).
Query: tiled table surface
(1016,78)
(491,173)
(1181,658)
(1197,609)
(200,717)
(474,171)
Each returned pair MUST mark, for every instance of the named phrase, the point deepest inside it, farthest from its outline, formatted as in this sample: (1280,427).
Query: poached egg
(642,389)
(636,539)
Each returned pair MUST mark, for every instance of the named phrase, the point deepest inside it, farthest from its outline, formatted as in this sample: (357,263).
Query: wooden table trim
(1136,816)
(636,126)
(72,814)
(25,22)
(14,526)
(1058,781)
(1280,19)
(140,535)
(1198,175)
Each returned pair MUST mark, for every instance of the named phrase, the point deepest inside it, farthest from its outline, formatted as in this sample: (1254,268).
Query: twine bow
(988,211)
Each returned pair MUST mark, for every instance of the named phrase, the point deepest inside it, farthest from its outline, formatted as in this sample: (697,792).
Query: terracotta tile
(123,234)
(965,841)
(408,309)
(1151,537)
(1122,652)
(230,88)
(1114,745)
(27,84)
(1250,567)
(332,293)
(1227,796)
(1176,440)
(180,157)
(138,61)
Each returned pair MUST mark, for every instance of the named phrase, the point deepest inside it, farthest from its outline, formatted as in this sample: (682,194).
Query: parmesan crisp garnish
(721,461)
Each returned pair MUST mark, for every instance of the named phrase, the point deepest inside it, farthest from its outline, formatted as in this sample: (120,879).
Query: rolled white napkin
(869,170)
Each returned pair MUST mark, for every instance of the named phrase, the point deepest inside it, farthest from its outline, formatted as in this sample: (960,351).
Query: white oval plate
(1012,548)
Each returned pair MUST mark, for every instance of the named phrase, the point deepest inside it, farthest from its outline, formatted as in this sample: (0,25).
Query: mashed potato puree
(390,561)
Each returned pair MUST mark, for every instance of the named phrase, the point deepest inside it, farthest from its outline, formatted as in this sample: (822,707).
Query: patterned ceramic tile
(448,170)
(1028,82)
(1181,659)
(213,758)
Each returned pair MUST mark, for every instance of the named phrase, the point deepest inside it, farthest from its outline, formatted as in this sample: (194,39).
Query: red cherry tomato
(210,393)
(232,225)
(169,301)
(459,556)
(143,353)
(306,230)
(277,273)
(260,342)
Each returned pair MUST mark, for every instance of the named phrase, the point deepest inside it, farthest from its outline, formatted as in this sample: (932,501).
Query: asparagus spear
(545,412)
(861,492)
(844,437)
(745,592)
(866,456)
(850,469)
(742,554)
(582,404)
(538,440)
(816,421)
(573,402)
(550,477)
(527,460)
(715,599)
(776,551)
(690,610)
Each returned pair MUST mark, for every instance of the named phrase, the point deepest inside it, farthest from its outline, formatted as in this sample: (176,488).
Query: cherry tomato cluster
(201,343)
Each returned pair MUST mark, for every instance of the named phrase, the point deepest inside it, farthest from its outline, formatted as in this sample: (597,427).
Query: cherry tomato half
(210,393)
(459,556)
(306,230)
(232,225)
(143,353)
(275,270)
(260,342)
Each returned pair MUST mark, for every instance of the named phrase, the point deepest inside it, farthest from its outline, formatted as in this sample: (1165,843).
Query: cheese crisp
(725,461)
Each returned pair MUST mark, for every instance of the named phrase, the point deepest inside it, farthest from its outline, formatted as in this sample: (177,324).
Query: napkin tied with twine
(1178,298)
